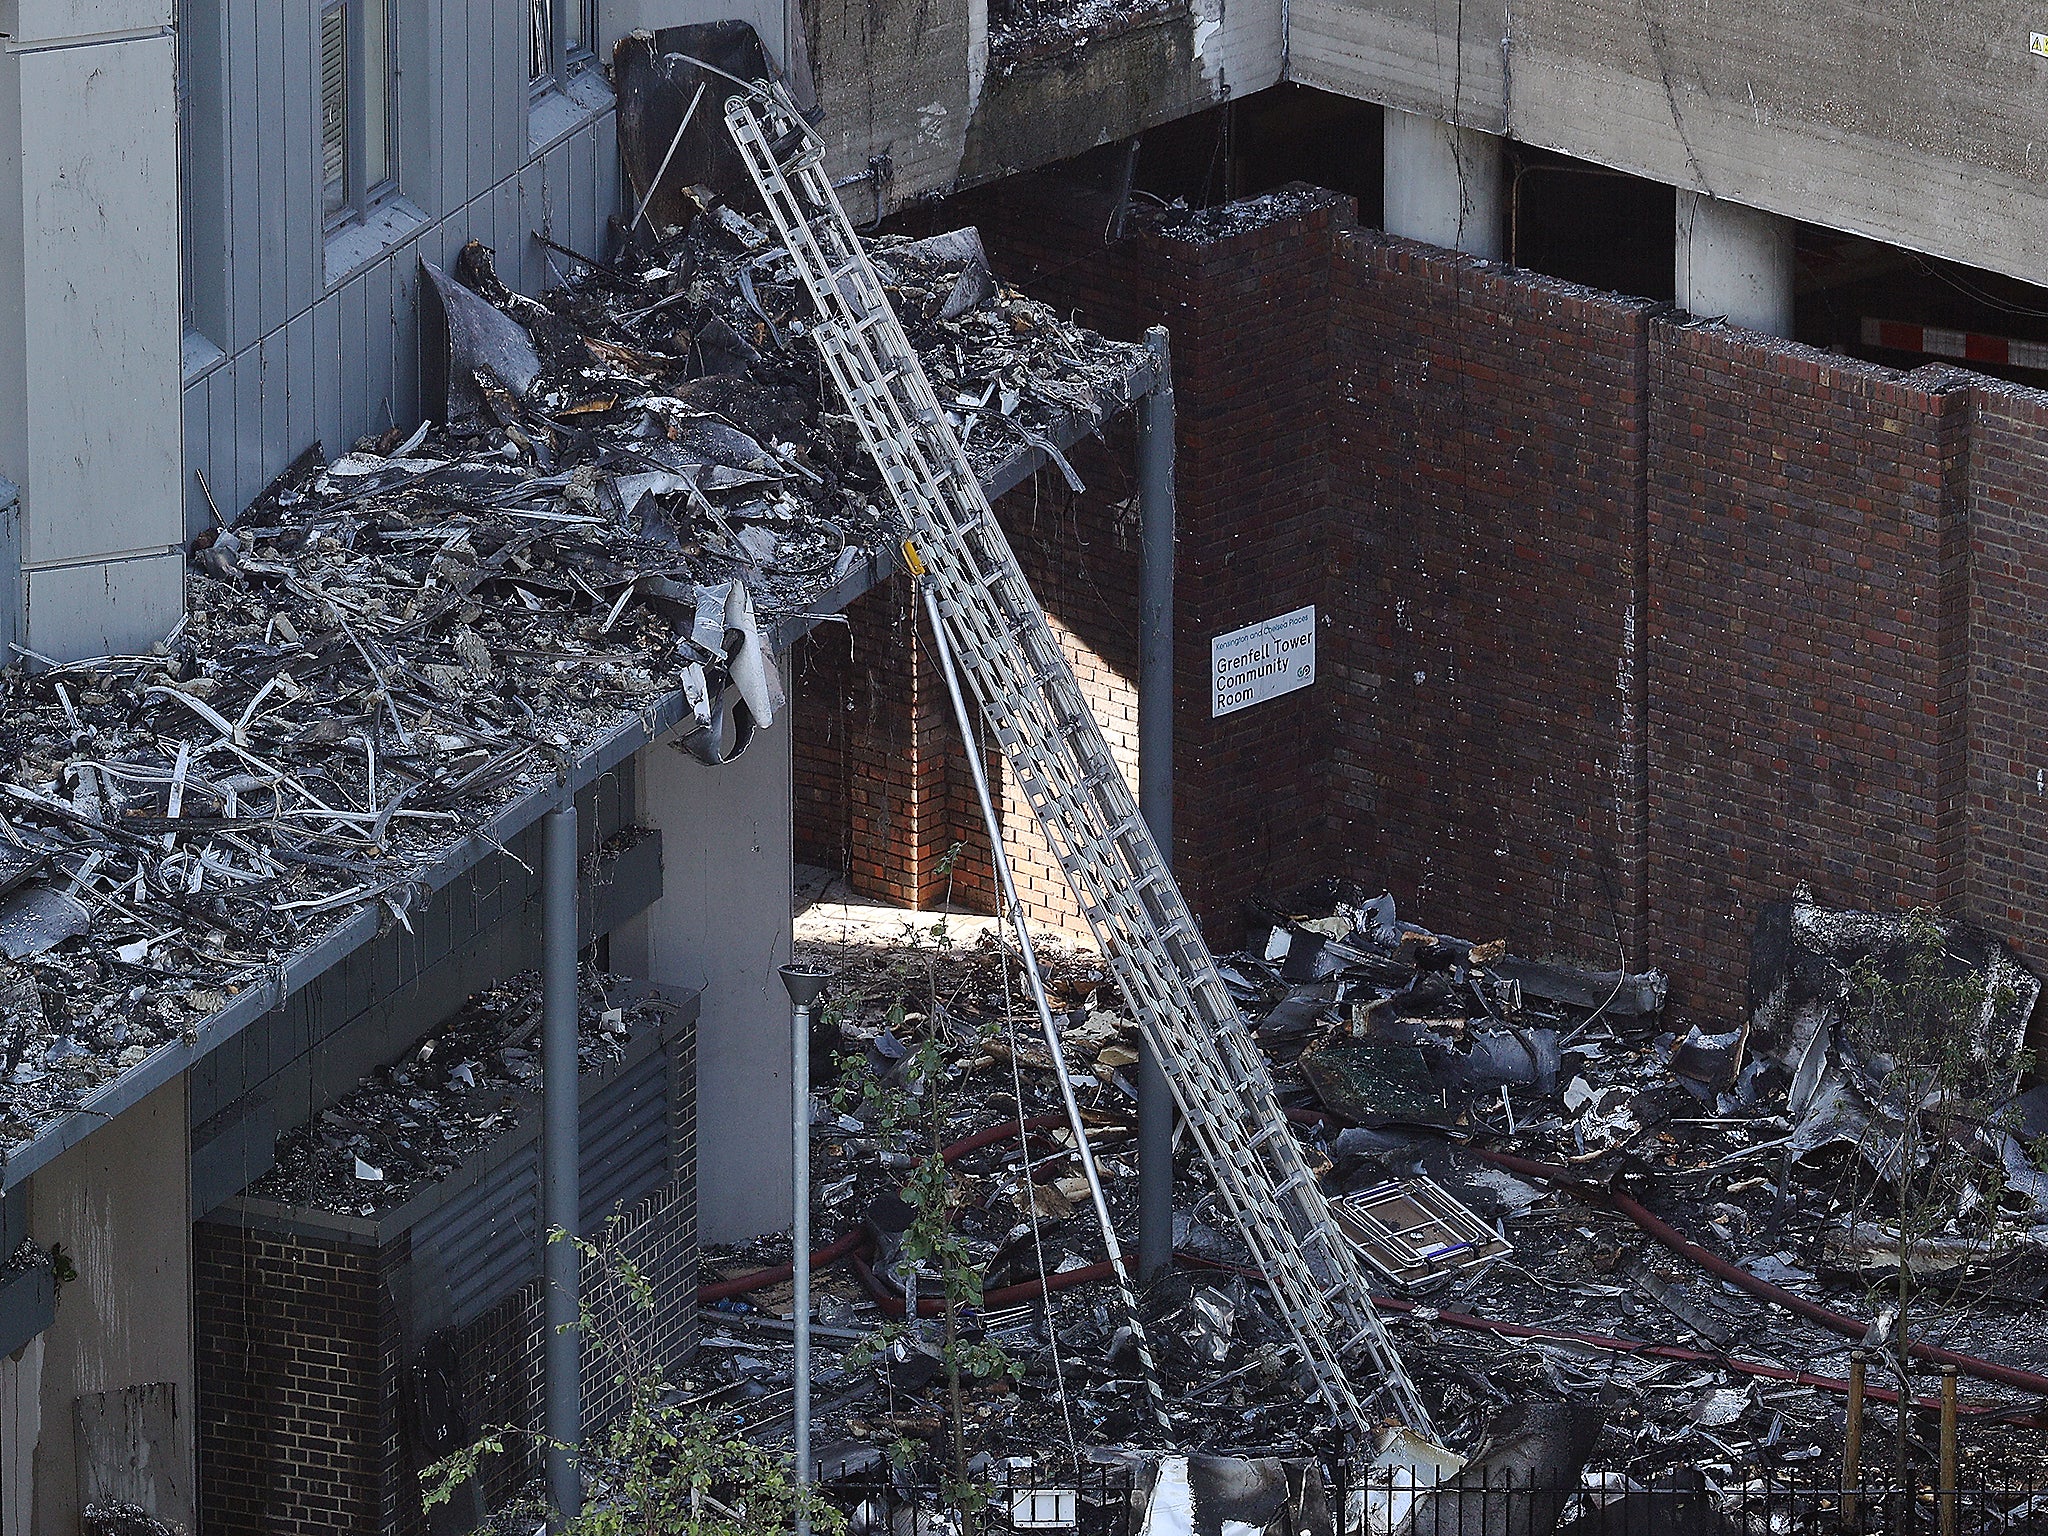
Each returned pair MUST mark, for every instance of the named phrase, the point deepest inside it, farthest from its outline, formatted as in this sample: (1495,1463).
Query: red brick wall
(882,789)
(1805,643)
(1632,623)
(302,1365)
(1486,459)
(292,1352)
(1245,303)
(2006,829)
(1648,620)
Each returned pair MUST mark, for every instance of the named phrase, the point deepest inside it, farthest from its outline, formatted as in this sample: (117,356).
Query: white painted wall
(722,926)
(118,1204)
(89,294)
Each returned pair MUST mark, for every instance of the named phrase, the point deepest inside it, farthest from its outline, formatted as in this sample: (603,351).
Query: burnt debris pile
(416,1121)
(627,495)
(1571,1198)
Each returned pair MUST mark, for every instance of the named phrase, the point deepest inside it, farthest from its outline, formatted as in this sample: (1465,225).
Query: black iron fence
(1687,1504)
(1099,1502)
(888,1502)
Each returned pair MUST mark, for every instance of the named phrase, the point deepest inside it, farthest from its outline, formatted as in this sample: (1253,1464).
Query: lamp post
(805,985)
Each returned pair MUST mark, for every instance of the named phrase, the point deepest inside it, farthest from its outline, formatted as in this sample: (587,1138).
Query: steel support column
(1155,774)
(561,1156)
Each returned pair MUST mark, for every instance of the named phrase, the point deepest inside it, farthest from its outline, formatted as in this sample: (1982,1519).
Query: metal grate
(488,1241)
(1411,1230)
(334,109)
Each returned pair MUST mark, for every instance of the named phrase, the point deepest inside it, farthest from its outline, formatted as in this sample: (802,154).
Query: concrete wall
(117,1205)
(923,82)
(89,319)
(1914,124)
(722,926)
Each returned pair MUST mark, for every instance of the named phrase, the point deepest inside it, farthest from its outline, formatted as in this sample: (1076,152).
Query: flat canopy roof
(350,630)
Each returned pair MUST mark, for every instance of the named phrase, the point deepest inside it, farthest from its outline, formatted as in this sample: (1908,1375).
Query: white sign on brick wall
(1262,661)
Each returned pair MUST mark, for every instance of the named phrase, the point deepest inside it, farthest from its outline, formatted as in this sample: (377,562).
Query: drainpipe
(1155,775)
(560,1162)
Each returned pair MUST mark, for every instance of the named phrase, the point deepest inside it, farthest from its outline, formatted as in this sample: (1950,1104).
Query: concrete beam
(1921,128)
(1734,262)
(1443,185)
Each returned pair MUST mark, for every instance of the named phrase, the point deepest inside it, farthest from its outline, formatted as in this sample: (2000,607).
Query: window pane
(376,93)
(334,109)
(540,50)
(578,27)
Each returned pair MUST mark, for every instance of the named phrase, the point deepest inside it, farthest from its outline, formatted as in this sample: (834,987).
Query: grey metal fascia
(297,970)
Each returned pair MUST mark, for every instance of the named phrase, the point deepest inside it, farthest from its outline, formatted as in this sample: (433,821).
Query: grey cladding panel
(626,1140)
(349,365)
(274,96)
(486,1242)
(10,563)
(245,300)
(305,231)
(489,158)
(451,72)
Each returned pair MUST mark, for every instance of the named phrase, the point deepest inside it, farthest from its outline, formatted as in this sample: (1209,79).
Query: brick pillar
(1246,297)
(909,797)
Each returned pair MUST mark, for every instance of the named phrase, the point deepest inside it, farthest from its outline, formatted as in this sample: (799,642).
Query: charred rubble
(629,490)
(1678,1237)
(414,1122)
(1033,33)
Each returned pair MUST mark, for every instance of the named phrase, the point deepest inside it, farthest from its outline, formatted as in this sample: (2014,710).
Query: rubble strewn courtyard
(1549,1102)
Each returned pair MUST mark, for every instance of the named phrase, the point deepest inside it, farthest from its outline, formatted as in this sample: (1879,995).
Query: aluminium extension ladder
(1063,765)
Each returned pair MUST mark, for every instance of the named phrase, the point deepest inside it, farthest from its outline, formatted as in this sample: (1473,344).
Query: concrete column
(1444,185)
(1734,262)
(722,926)
(118,1204)
(90,322)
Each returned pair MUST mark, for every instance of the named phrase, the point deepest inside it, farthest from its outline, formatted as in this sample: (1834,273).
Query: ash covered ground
(1403,1055)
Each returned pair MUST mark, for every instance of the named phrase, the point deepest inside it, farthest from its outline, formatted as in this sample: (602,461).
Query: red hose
(848,1244)
(1005,1296)
(1735,1274)
(1643,1347)
(761,1279)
